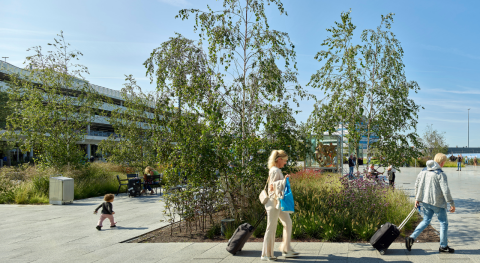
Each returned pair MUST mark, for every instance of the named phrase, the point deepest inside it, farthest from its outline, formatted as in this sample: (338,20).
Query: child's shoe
(113,226)
(99,228)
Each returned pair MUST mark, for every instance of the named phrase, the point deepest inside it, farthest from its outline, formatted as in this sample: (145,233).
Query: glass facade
(324,153)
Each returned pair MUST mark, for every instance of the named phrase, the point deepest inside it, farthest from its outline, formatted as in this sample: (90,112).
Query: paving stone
(334,250)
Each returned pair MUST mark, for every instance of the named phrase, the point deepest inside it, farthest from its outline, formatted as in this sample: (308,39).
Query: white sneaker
(265,258)
(290,254)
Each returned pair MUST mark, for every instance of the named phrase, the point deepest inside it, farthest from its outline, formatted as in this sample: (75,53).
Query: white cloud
(454,51)
(179,3)
(452,120)
(457,91)
(453,106)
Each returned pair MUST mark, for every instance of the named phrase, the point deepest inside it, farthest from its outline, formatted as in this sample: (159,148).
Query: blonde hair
(440,158)
(108,197)
(148,169)
(274,157)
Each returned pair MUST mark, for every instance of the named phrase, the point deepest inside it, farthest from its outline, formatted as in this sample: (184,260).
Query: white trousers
(273,214)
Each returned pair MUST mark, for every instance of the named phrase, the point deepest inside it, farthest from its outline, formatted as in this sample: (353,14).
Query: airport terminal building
(97,131)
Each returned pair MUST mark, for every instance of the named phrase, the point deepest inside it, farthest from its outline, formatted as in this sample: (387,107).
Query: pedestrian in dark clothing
(391,175)
(107,211)
(459,163)
(351,165)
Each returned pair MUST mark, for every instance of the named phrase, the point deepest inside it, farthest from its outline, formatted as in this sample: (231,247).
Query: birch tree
(52,104)
(368,91)
(245,70)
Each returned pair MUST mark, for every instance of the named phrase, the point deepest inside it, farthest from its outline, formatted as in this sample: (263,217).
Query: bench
(157,180)
(120,182)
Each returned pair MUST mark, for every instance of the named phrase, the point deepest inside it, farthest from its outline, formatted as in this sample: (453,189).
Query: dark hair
(108,197)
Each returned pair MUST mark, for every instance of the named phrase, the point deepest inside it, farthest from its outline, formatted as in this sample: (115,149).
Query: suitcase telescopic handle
(260,219)
(406,219)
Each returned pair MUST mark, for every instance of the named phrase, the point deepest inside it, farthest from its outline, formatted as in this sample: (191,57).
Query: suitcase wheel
(239,250)
(382,252)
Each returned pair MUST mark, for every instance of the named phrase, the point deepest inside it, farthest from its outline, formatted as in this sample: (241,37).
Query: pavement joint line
(77,239)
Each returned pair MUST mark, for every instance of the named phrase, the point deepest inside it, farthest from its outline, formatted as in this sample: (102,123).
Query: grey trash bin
(61,190)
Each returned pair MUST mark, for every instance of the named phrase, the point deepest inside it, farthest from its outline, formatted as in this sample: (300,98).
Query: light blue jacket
(431,186)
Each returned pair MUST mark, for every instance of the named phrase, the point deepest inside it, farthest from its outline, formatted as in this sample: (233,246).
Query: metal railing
(101,133)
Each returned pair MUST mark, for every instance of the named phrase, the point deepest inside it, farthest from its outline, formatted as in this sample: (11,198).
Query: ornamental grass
(30,184)
(329,207)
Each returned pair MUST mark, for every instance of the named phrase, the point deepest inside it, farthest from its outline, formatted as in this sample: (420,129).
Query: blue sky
(440,40)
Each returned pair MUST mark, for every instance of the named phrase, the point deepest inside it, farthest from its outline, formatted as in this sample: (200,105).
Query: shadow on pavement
(128,228)
(81,204)
(470,206)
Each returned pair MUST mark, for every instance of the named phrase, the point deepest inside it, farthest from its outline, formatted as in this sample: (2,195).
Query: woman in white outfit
(276,187)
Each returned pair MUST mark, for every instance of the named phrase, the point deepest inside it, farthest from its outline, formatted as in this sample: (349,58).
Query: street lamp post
(468,138)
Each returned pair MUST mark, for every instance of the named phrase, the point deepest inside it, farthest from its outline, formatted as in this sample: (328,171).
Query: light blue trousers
(428,211)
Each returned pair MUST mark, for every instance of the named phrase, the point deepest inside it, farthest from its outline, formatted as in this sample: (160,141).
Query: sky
(440,40)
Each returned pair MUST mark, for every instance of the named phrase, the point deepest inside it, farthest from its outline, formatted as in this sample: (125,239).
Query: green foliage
(30,184)
(4,111)
(133,143)
(51,105)
(328,207)
(232,104)
(453,164)
(434,142)
(214,231)
(367,90)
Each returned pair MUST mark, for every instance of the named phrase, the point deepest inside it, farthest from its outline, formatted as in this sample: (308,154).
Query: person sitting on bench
(372,172)
(147,181)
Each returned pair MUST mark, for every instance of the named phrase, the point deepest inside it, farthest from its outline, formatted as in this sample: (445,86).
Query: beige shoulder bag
(263,195)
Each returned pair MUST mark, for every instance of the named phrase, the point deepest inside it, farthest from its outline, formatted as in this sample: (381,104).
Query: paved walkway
(67,233)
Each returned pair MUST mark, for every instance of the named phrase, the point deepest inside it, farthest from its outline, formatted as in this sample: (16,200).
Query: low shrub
(30,184)
(329,208)
(452,164)
(214,231)
(332,208)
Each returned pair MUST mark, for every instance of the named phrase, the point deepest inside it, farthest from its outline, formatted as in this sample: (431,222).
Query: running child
(107,211)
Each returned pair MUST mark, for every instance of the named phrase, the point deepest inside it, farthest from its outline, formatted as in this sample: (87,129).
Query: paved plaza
(47,233)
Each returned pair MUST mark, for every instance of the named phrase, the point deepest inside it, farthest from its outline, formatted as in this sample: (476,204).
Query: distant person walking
(431,189)
(351,165)
(107,211)
(459,163)
(475,161)
(391,175)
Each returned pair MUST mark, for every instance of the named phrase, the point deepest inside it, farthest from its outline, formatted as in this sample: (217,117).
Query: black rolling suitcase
(134,187)
(241,235)
(384,237)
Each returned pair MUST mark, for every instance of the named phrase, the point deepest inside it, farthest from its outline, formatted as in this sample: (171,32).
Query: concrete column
(31,153)
(121,103)
(88,129)
(89,151)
